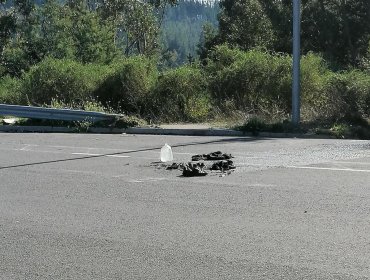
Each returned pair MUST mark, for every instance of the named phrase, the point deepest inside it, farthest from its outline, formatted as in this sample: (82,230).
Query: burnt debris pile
(194,169)
(212,156)
(218,162)
(223,165)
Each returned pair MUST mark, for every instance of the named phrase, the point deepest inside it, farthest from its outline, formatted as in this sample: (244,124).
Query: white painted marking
(86,154)
(329,168)
(32,151)
(251,164)
(79,171)
(80,154)
(27,147)
(262,185)
(76,147)
(118,156)
(353,162)
(146,180)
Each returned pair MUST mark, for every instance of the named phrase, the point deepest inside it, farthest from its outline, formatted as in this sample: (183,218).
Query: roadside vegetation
(95,58)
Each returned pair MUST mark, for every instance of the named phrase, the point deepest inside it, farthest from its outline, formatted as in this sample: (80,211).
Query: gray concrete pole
(296,61)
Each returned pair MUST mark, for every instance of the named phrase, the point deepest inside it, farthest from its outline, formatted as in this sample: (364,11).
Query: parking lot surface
(85,206)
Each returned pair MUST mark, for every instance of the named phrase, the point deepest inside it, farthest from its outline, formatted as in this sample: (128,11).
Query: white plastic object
(166,153)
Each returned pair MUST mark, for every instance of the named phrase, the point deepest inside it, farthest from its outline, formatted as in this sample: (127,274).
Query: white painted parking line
(27,147)
(251,164)
(354,162)
(78,147)
(32,151)
(146,180)
(78,171)
(86,154)
(118,156)
(329,168)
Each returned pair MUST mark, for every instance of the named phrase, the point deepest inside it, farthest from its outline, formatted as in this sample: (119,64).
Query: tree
(83,30)
(93,37)
(340,29)
(183,29)
(207,40)
(14,19)
(7,28)
(245,24)
(138,22)
(56,28)
(71,30)
(279,13)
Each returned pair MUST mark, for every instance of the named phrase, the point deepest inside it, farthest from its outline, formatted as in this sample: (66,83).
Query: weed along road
(90,206)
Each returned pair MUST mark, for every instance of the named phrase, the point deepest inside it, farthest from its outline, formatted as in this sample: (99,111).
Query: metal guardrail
(53,114)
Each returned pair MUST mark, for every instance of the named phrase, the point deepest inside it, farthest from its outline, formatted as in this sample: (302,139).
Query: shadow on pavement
(227,140)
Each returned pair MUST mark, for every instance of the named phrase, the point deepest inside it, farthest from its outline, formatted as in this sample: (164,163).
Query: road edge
(157,131)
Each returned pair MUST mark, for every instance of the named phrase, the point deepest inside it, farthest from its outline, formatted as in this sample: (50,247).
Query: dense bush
(348,95)
(128,84)
(64,80)
(330,96)
(259,83)
(15,62)
(10,91)
(253,81)
(222,56)
(181,95)
(314,78)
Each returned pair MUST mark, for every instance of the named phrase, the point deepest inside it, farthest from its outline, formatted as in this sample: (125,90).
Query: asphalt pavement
(92,206)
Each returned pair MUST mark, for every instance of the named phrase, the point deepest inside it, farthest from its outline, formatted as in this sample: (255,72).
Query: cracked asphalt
(89,206)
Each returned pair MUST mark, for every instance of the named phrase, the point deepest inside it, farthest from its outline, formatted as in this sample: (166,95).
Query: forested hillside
(183,26)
